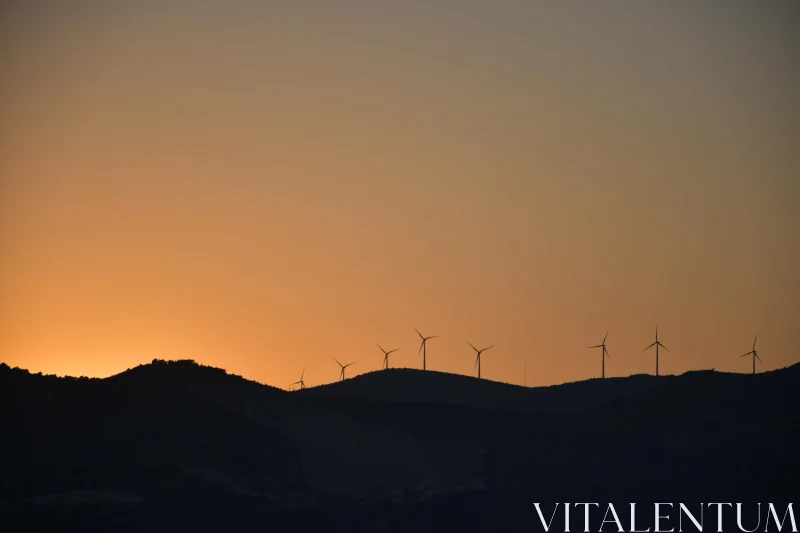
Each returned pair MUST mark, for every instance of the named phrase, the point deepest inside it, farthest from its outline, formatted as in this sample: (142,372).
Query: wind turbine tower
(341,374)
(301,382)
(478,358)
(656,344)
(423,347)
(754,354)
(386,356)
(604,355)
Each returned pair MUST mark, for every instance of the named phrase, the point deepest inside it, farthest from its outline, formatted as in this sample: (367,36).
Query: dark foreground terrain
(181,447)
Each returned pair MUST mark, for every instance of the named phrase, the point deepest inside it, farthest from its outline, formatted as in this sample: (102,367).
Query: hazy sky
(261,186)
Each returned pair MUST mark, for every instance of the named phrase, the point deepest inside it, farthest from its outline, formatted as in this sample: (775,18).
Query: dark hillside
(409,385)
(177,445)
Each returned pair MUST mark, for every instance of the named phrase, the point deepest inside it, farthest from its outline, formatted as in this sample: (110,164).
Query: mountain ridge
(403,385)
(164,438)
(189,368)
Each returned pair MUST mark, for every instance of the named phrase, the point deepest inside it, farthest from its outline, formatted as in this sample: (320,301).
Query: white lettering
(633,521)
(779,525)
(719,514)
(699,525)
(659,518)
(739,518)
(586,514)
(541,516)
(610,507)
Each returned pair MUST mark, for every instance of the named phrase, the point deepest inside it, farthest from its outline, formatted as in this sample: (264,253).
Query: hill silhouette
(177,445)
(412,385)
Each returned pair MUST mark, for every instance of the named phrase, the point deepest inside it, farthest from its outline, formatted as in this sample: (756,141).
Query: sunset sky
(262,186)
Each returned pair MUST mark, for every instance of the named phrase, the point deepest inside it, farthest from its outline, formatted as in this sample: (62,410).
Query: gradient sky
(261,186)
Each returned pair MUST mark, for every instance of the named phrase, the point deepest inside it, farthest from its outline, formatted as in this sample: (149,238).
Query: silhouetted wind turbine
(656,344)
(301,383)
(423,346)
(341,374)
(754,354)
(386,356)
(478,358)
(605,353)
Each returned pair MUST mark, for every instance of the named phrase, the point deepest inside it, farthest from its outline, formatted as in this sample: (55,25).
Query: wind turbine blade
(476,361)
(379,346)
(302,374)
(392,351)
(337,361)
(420,347)
(604,338)
(667,349)
(754,342)
(295,383)
(348,364)
(418,333)
(474,348)
(649,347)
(605,350)
(486,348)
(598,346)
(744,354)
(431,337)
(757,357)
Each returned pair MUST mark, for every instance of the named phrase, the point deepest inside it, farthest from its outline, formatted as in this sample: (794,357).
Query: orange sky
(263,187)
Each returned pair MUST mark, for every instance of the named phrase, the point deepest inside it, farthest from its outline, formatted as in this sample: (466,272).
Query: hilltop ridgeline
(177,445)
(413,385)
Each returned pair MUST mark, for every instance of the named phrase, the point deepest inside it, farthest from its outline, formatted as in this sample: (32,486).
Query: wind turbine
(386,356)
(478,358)
(341,374)
(422,347)
(754,354)
(656,344)
(605,353)
(301,383)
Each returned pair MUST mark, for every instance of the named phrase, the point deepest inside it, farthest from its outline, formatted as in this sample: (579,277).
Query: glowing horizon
(262,187)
